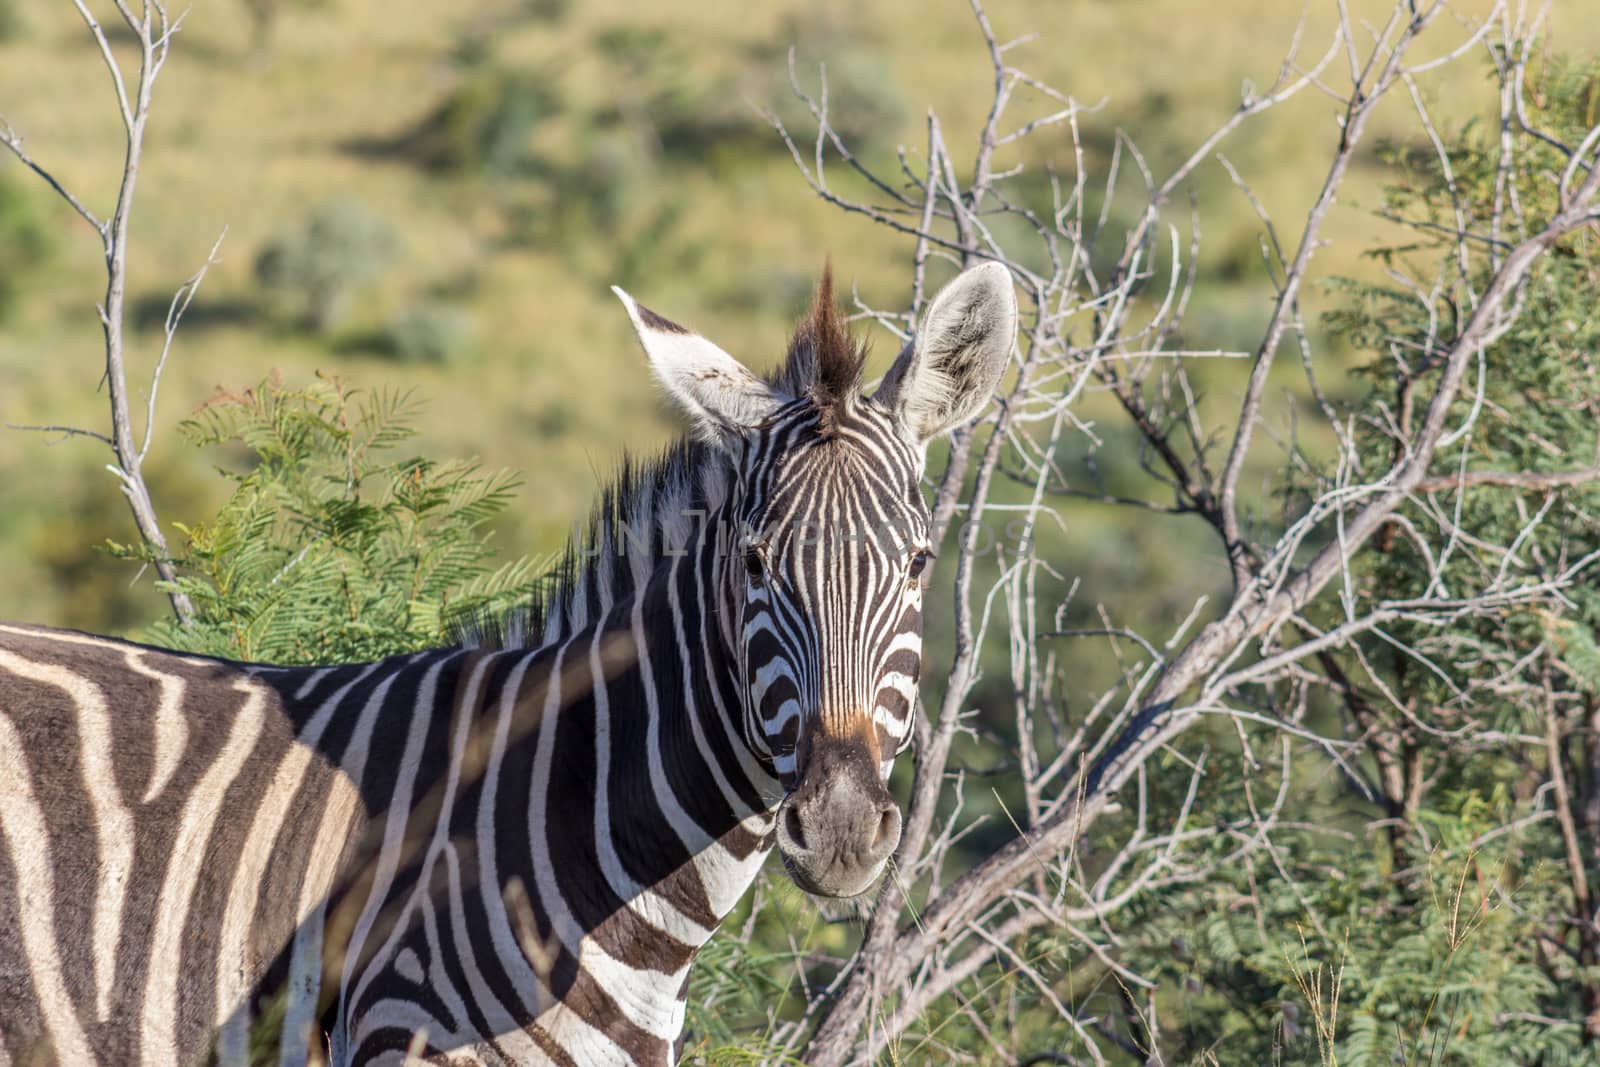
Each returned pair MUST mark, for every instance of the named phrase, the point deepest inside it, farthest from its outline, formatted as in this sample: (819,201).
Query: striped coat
(506,852)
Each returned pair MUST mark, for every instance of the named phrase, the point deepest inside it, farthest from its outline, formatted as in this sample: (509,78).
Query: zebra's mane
(825,361)
(656,507)
(649,509)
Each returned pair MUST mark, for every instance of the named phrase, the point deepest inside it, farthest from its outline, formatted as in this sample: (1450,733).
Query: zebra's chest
(441,992)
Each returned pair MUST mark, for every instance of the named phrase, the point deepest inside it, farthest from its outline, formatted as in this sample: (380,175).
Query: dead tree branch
(1113,332)
(152,29)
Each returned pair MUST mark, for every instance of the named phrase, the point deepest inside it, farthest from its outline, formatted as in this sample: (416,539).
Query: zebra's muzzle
(840,825)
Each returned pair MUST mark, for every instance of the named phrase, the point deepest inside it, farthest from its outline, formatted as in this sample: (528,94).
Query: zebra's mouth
(837,848)
(851,901)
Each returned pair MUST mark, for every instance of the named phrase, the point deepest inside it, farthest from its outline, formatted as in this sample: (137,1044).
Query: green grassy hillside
(518,158)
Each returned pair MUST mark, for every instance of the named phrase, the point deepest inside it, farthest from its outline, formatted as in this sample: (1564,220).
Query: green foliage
(484,124)
(12,24)
(314,267)
(731,988)
(1573,640)
(1429,937)
(1539,412)
(1425,969)
(331,549)
(25,238)
(747,976)
(428,332)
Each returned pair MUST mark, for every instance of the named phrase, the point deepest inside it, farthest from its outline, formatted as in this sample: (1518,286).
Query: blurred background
(436,197)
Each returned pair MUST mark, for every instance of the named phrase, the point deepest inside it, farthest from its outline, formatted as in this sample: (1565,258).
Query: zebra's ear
(949,370)
(718,392)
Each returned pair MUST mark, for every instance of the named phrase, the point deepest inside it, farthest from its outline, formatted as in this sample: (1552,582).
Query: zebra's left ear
(949,370)
(718,392)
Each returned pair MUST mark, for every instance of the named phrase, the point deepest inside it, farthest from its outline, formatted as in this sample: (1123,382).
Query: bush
(1451,928)
(546,10)
(330,549)
(313,268)
(667,100)
(482,125)
(24,237)
(428,333)
(555,419)
(12,24)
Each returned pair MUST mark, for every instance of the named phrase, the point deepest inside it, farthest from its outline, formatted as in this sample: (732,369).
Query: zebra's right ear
(718,392)
(950,369)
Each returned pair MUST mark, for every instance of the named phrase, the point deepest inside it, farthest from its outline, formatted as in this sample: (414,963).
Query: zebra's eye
(753,565)
(919,563)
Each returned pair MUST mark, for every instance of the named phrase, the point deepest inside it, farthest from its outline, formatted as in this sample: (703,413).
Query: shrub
(482,125)
(1451,923)
(555,419)
(12,24)
(24,237)
(330,548)
(428,333)
(684,114)
(314,267)
(546,10)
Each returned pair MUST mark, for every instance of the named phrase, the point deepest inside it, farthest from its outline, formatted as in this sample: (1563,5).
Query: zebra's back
(169,824)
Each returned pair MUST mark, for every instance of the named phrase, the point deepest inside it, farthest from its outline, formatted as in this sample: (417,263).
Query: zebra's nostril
(791,823)
(888,833)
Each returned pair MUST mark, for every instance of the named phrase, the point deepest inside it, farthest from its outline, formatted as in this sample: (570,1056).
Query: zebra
(507,851)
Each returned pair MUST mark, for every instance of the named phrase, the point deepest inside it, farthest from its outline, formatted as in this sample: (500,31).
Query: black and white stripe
(492,853)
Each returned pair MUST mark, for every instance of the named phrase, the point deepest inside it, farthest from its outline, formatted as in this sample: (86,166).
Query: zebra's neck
(664,673)
(600,815)
(637,597)
(648,813)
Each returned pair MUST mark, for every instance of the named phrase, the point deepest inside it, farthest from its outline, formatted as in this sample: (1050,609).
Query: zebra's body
(490,855)
(368,789)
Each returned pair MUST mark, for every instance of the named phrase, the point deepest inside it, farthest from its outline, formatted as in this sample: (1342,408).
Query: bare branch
(70,431)
(1363,102)
(153,33)
(1532,480)
(1096,329)
(13,141)
(175,311)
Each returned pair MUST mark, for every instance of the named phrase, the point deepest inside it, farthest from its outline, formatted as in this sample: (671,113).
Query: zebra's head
(826,535)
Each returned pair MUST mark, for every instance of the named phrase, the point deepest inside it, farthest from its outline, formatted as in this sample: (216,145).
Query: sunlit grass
(552,384)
